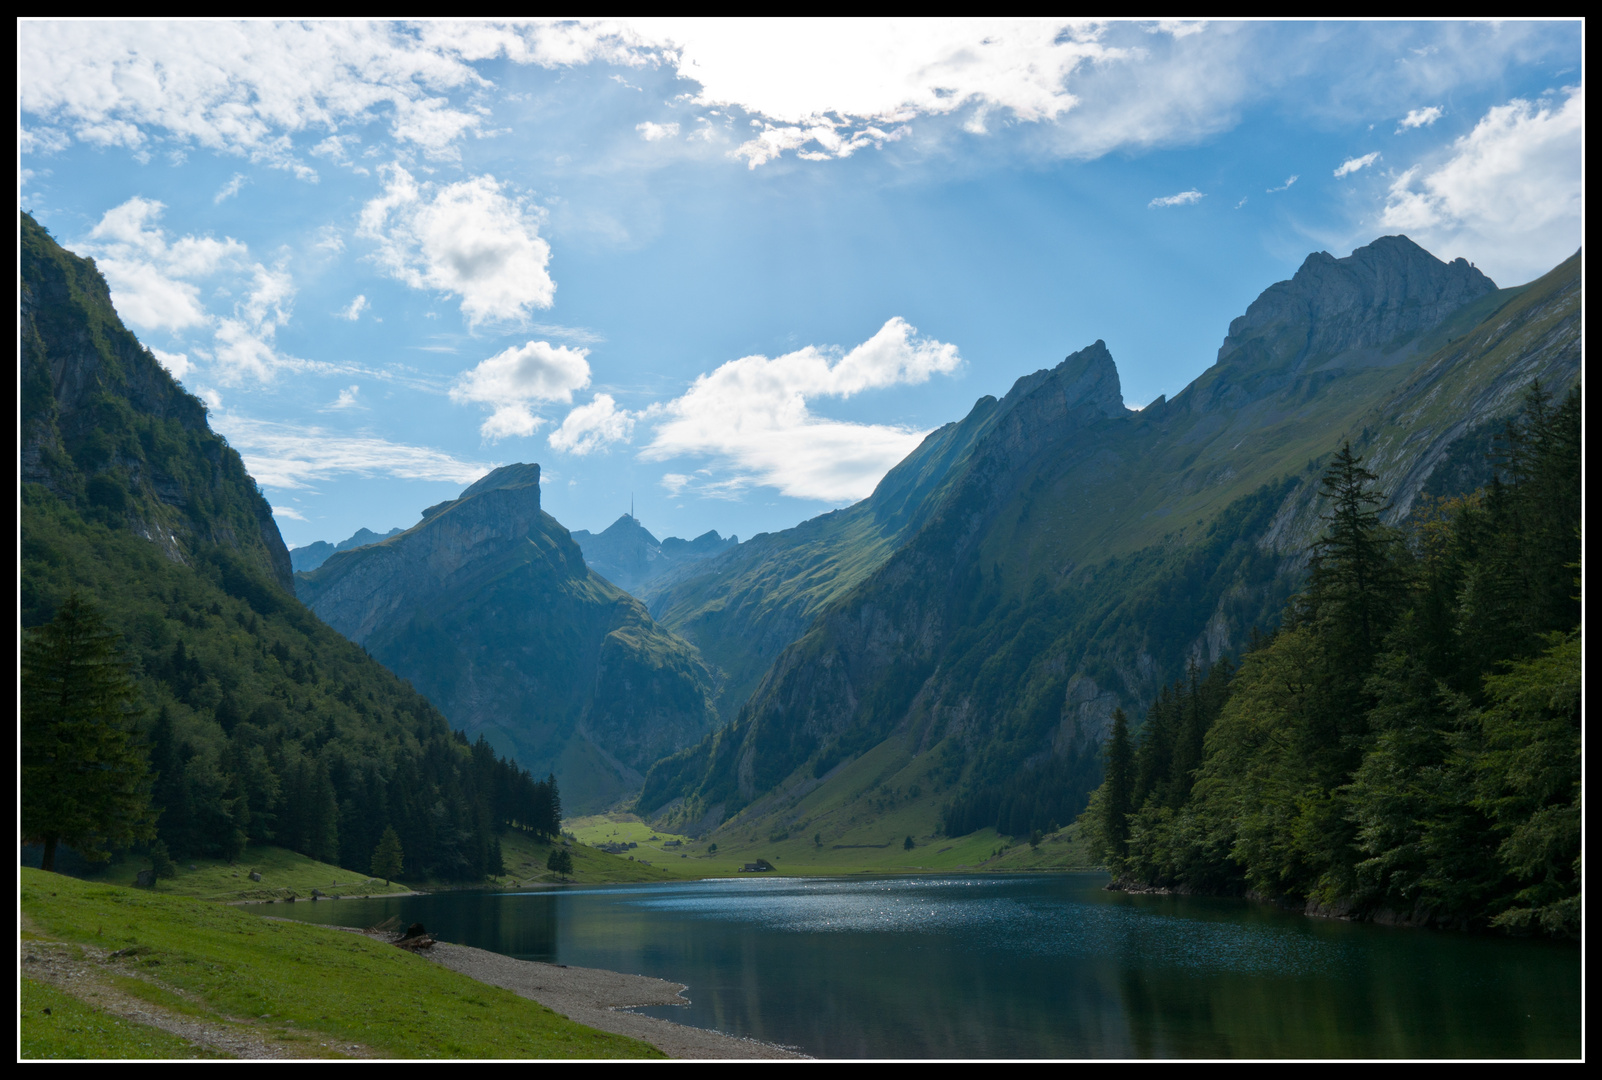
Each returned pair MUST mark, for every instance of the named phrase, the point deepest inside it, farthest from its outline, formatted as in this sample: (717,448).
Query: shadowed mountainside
(487,607)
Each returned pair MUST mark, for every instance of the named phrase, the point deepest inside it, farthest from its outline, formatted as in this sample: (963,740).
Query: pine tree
(560,861)
(1117,796)
(161,864)
(1355,585)
(387,856)
(85,778)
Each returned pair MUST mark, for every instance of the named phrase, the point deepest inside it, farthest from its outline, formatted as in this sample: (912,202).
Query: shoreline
(599,999)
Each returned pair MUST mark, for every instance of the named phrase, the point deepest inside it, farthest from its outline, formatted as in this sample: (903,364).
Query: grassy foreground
(285,980)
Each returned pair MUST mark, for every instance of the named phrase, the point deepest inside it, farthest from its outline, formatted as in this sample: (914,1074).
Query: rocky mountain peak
(507,476)
(1377,296)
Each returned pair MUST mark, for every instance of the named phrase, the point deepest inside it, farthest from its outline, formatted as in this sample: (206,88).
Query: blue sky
(736,269)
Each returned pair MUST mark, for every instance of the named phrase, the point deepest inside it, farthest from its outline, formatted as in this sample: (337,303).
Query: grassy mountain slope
(264,724)
(488,608)
(1079,557)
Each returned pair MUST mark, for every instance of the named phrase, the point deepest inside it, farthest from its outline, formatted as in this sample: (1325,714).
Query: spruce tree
(387,856)
(85,778)
(1117,797)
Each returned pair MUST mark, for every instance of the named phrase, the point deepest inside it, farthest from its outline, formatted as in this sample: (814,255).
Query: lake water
(1039,966)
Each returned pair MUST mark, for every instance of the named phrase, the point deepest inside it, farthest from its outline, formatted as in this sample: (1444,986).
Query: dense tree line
(1408,742)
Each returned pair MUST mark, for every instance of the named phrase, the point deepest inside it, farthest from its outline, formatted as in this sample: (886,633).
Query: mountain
(743,607)
(627,555)
(488,608)
(1076,556)
(313,555)
(263,724)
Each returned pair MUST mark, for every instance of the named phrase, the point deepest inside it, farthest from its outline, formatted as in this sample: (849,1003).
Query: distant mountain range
(963,635)
(628,556)
(313,555)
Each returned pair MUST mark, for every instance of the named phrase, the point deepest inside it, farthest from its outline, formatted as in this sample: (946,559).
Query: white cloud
(354,311)
(1351,165)
(590,427)
(1283,187)
(1509,194)
(290,456)
(515,378)
(146,272)
(177,364)
(1419,118)
(242,87)
(468,238)
(154,285)
(752,416)
(1184,198)
(230,189)
(288,512)
(652,132)
(348,398)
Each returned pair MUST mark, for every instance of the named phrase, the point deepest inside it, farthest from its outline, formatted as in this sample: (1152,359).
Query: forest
(1406,745)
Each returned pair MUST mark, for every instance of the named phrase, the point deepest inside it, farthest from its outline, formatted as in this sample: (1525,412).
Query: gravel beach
(594,997)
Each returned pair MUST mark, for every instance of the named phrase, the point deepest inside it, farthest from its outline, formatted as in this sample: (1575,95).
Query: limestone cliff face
(107,429)
(1376,296)
(488,608)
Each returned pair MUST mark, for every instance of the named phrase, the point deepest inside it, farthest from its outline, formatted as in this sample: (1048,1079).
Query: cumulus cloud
(1184,198)
(513,380)
(652,132)
(469,239)
(291,456)
(1419,118)
(177,364)
(255,86)
(153,280)
(1508,194)
(354,311)
(591,427)
(1351,165)
(752,416)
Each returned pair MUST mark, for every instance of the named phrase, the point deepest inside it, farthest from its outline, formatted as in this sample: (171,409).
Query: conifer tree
(85,779)
(1117,796)
(387,856)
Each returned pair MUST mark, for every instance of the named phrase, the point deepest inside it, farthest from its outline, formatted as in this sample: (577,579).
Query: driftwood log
(415,938)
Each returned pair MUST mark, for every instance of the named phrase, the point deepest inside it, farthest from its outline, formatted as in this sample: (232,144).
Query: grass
(284,874)
(297,981)
(525,864)
(56,1025)
(857,822)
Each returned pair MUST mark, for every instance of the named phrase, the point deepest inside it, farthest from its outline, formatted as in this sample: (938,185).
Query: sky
(730,272)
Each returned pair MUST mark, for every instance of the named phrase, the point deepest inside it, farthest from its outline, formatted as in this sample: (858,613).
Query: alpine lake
(1025,966)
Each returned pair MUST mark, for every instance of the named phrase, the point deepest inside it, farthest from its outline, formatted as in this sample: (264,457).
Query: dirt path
(81,971)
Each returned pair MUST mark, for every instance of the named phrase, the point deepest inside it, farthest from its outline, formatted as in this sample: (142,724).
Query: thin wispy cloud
(230,189)
(290,456)
(1184,198)
(1283,187)
(1351,165)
